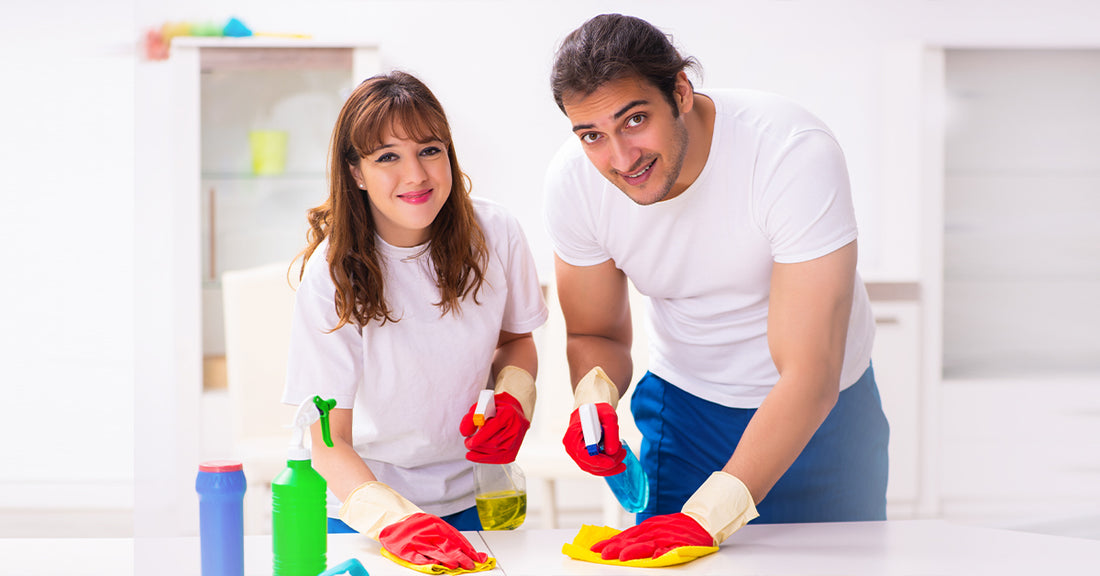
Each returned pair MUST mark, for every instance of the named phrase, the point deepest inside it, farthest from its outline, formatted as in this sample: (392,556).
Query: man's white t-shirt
(774,189)
(410,382)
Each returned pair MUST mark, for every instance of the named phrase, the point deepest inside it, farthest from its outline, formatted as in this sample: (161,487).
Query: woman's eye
(387,157)
(431,151)
(635,120)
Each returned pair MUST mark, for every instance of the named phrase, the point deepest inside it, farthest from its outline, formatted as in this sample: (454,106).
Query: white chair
(258,303)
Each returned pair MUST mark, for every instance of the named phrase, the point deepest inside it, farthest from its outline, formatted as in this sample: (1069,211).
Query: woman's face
(406,183)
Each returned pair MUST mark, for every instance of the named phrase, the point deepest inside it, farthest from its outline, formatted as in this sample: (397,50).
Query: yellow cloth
(488,564)
(581,549)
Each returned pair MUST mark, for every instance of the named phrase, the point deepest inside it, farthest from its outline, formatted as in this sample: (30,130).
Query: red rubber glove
(426,539)
(498,441)
(654,537)
(609,461)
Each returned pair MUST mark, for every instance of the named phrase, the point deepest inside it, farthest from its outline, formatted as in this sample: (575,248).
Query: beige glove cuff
(519,383)
(722,505)
(596,386)
(372,506)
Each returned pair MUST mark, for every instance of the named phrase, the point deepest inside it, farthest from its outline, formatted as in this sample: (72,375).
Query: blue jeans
(464,520)
(840,475)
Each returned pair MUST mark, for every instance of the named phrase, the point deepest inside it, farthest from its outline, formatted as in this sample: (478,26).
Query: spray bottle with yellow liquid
(500,490)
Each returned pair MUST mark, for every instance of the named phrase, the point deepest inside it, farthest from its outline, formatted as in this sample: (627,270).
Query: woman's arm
(515,350)
(341,465)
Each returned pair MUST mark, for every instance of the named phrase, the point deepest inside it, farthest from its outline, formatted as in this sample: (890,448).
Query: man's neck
(699,122)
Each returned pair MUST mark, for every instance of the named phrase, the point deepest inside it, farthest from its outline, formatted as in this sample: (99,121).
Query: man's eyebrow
(616,116)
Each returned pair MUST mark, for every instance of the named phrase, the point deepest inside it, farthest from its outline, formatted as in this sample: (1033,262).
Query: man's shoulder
(765,112)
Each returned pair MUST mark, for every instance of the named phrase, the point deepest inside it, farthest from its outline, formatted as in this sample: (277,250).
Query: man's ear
(684,93)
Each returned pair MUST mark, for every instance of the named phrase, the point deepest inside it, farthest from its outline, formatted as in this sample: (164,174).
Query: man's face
(630,134)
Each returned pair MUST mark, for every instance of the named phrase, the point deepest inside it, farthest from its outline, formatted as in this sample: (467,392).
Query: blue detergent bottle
(631,486)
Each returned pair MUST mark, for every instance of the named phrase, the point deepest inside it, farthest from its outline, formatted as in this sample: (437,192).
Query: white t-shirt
(410,382)
(774,189)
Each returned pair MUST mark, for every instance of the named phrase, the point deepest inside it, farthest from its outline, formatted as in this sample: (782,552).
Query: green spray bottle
(299,520)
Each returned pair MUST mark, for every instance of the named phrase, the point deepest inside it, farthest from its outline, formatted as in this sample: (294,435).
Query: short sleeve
(525,309)
(321,361)
(803,200)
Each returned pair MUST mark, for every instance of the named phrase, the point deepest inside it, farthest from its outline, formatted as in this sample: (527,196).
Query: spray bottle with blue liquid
(631,486)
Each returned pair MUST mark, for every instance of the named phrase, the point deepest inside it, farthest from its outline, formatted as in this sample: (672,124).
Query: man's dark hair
(609,47)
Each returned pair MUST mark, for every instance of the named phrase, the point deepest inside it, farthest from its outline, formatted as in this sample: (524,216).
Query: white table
(919,547)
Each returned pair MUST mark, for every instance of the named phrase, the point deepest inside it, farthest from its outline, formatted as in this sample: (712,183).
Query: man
(731,211)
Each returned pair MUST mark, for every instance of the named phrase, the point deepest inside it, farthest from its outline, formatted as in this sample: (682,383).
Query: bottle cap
(220,466)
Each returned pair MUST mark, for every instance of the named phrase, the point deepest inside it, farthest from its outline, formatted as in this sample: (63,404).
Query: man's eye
(589,137)
(635,120)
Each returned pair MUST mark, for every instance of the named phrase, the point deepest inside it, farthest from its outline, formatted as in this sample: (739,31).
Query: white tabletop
(919,547)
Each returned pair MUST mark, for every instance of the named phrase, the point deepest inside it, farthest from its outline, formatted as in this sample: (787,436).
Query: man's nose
(624,155)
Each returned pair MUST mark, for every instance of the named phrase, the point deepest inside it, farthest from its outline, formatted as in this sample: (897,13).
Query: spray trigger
(324,407)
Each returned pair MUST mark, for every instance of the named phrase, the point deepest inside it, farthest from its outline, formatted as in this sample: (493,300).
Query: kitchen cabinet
(219,90)
(897,358)
(232,89)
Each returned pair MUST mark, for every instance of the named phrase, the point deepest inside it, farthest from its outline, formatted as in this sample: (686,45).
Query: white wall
(85,247)
(66,248)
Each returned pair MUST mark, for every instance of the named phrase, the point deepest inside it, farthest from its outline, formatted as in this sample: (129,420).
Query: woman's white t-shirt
(410,382)
(774,189)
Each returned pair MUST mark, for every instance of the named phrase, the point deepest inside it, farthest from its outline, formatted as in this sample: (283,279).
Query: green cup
(268,151)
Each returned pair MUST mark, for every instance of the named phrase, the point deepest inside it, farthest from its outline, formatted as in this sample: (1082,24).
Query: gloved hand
(379,512)
(720,507)
(499,439)
(597,388)
(427,539)
(609,461)
(654,537)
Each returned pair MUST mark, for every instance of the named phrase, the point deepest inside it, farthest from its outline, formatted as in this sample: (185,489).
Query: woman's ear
(357,174)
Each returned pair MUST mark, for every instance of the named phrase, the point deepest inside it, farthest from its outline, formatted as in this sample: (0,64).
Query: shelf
(214,177)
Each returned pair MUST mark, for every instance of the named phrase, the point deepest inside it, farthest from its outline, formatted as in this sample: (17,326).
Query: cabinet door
(896,359)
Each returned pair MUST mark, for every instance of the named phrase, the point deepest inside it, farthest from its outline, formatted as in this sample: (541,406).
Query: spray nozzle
(309,411)
(591,428)
(486,407)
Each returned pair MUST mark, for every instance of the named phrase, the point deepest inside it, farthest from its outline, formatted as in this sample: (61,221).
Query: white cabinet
(220,89)
(252,216)
(896,358)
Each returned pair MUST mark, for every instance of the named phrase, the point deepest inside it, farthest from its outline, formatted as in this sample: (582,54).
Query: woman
(413,296)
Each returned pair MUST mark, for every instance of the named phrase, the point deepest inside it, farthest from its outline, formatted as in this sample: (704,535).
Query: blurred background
(131,210)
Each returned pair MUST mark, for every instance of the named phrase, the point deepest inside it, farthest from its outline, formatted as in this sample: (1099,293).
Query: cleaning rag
(581,549)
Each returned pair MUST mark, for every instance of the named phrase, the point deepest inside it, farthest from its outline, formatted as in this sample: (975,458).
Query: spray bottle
(299,519)
(500,490)
(631,486)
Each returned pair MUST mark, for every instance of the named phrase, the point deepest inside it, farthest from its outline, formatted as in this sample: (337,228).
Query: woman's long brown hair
(456,243)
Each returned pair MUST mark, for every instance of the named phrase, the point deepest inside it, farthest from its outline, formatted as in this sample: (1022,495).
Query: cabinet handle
(887,320)
(213,235)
